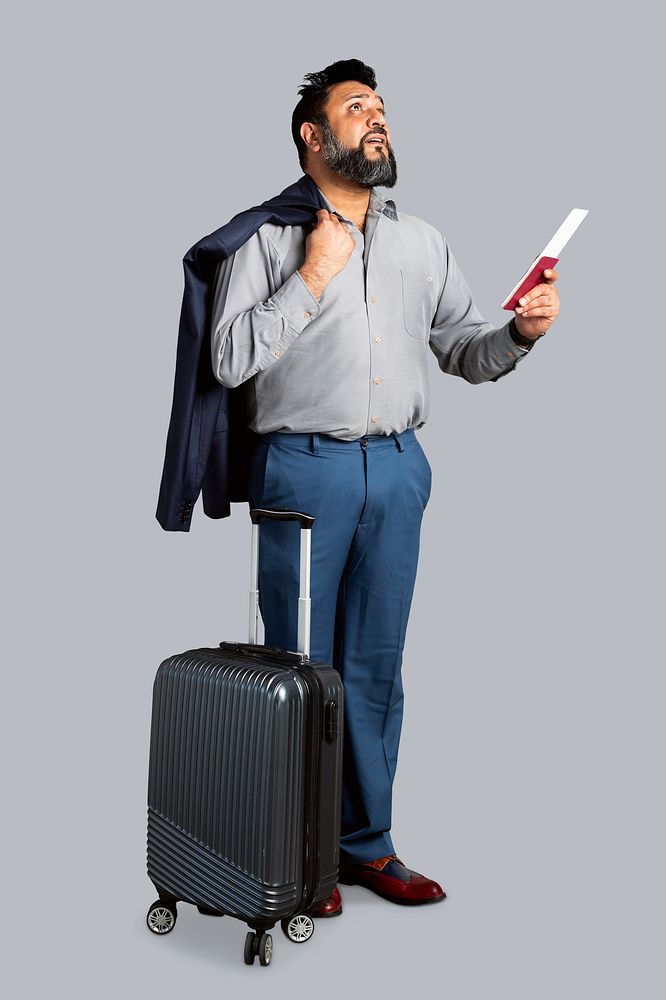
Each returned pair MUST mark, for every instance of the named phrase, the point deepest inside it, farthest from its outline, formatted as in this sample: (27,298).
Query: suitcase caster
(298,928)
(258,944)
(161,917)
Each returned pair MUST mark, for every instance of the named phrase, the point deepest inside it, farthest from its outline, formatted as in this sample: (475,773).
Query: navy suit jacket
(208,445)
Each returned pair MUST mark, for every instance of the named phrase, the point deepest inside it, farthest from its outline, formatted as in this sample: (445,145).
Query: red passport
(548,257)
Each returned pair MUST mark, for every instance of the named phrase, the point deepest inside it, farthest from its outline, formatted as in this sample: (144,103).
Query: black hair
(314,95)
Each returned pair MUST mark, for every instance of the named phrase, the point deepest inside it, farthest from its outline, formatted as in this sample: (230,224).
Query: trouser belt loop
(398,441)
(314,443)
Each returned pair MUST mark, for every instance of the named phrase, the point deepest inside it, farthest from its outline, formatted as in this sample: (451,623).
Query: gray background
(530,779)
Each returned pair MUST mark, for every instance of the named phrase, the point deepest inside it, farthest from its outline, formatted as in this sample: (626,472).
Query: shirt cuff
(510,351)
(296,302)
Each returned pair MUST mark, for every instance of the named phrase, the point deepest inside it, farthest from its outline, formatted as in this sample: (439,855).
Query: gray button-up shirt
(354,361)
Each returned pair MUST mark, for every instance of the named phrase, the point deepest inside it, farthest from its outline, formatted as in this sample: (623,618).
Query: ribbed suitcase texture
(243,809)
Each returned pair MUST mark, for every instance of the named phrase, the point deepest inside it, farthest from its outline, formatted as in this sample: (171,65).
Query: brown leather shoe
(392,881)
(330,907)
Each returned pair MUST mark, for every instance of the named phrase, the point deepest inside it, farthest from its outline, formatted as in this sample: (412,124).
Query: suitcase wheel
(258,944)
(161,918)
(298,928)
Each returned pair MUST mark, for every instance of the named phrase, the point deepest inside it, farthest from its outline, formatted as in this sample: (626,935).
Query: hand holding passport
(537,310)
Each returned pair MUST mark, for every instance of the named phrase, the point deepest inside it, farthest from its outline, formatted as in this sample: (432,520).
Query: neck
(347,198)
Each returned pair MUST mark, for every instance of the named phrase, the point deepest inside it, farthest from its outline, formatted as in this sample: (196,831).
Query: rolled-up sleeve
(253,322)
(464,343)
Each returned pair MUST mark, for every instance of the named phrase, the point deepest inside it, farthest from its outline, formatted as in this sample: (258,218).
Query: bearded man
(329,330)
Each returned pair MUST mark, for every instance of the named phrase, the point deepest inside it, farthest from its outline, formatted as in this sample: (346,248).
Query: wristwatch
(518,338)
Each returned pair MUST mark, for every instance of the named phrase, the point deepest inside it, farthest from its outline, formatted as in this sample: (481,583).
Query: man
(329,332)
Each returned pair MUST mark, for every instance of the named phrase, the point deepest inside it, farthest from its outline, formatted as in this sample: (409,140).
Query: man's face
(350,145)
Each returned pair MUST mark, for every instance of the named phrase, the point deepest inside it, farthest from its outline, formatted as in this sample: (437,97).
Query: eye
(356,104)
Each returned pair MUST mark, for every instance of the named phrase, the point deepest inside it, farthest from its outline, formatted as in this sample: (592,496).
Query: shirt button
(277,353)
(377,340)
(375,419)
(306,315)
(429,278)
(509,354)
(377,380)
(373,299)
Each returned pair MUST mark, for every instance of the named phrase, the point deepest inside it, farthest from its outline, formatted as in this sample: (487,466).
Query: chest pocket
(418,291)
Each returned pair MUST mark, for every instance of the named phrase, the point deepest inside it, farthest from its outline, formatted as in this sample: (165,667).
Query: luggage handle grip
(281,514)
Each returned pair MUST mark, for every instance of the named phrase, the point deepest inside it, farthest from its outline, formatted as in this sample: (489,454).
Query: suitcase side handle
(306,521)
(273,653)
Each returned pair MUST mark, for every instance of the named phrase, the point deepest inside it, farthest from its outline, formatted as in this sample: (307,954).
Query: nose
(377,119)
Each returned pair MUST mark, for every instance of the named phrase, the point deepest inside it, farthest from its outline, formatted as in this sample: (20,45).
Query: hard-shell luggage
(245,772)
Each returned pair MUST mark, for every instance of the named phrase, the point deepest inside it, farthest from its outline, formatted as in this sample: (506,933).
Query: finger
(534,310)
(533,313)
(539,301)
(532,301)
(550,274)
(547,287)
(536,292)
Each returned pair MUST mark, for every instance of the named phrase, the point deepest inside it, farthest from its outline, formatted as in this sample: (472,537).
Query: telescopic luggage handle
(306,521)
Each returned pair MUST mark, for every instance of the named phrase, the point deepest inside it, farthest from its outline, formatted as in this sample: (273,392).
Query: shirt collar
(378,203)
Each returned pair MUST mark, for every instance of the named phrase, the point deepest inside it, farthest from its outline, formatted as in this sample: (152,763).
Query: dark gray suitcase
(245,772)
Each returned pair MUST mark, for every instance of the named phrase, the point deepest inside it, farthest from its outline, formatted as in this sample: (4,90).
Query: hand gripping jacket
(208,445)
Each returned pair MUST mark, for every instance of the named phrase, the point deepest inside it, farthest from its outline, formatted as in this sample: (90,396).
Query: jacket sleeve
(253,322)
(463,342)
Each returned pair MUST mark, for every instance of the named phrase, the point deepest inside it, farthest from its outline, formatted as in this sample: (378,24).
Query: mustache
(377,131)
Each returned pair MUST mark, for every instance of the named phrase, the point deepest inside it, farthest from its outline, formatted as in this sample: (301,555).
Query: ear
(311,137)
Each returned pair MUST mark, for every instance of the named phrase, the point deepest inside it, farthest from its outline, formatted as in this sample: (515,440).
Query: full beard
(355,165)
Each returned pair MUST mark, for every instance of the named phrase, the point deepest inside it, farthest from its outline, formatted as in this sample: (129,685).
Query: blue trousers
(368,498)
